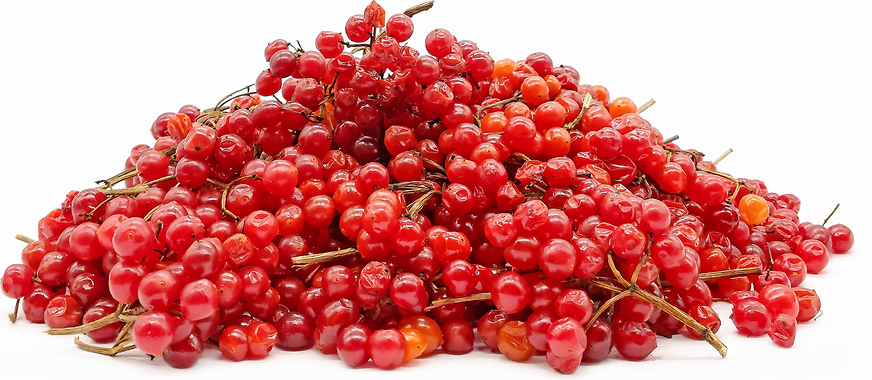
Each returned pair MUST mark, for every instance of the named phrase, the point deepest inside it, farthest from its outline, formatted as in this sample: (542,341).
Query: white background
(785,84)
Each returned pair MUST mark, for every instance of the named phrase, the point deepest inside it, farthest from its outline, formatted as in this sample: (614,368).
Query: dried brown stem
(437,176)
(522,156)
(605,306)
(123,346)
(730,178)
(24,239)
(585,105)
(123,334)
(141,188)
(670,139)
(729,273)
(641,263)
(226,191)
(148,215)
(418,205)
(111,181)
(231,95)
(645,106)
(670,309)
(216,183)
(105,321)
(411,187)
(722,156)
(684,318)
(89,214)
(830,215)
(324,257)
(496,104)
(129,172)
(433,164)
(418,8)
(618,276)
(449,301)
(13,316)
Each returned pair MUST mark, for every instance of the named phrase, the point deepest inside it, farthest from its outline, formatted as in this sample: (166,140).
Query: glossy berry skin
(753,209)
(153,332)
(262,337)
(295,331)
(451,246)
(599,342)
(352,345)
(35,302)
(814,254)
(62,311)
(510,292)
(105,334)
(574,303)
(459,277)
(780,299)
(783,330)
(565,366)
(458,336)
(261,227)
(843,238)
(407,292)
(233,343)
(124,281)
(489,326)
(566,338)
(184,354)
(16,281)
(133,239)
(500,229)
(416,344)
(793,266)
(557,259)
(386,348)
(199,299)
(634,340)
(427,326)
(338,282)
(751,317)
(158,290)
(513,343)
(809,304)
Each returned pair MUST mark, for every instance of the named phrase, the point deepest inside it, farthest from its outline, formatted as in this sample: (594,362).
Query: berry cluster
(394,204)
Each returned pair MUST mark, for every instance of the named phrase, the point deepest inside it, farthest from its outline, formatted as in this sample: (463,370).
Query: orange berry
(600,93)
(513,343)
(504,68)
(557,142)
(554,86)
(416,343)
(753,209)
(534,90)
(494,122)
(427,326)
(518,109)
(622,106)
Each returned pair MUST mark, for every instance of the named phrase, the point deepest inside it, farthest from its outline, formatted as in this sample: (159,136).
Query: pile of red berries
(394,204)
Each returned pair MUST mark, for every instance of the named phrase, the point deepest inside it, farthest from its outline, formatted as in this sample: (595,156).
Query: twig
(418,8)
(449,301)
(645,106)
(324,257)
(831,214)
(722,156)
(13,316)
(585,105)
